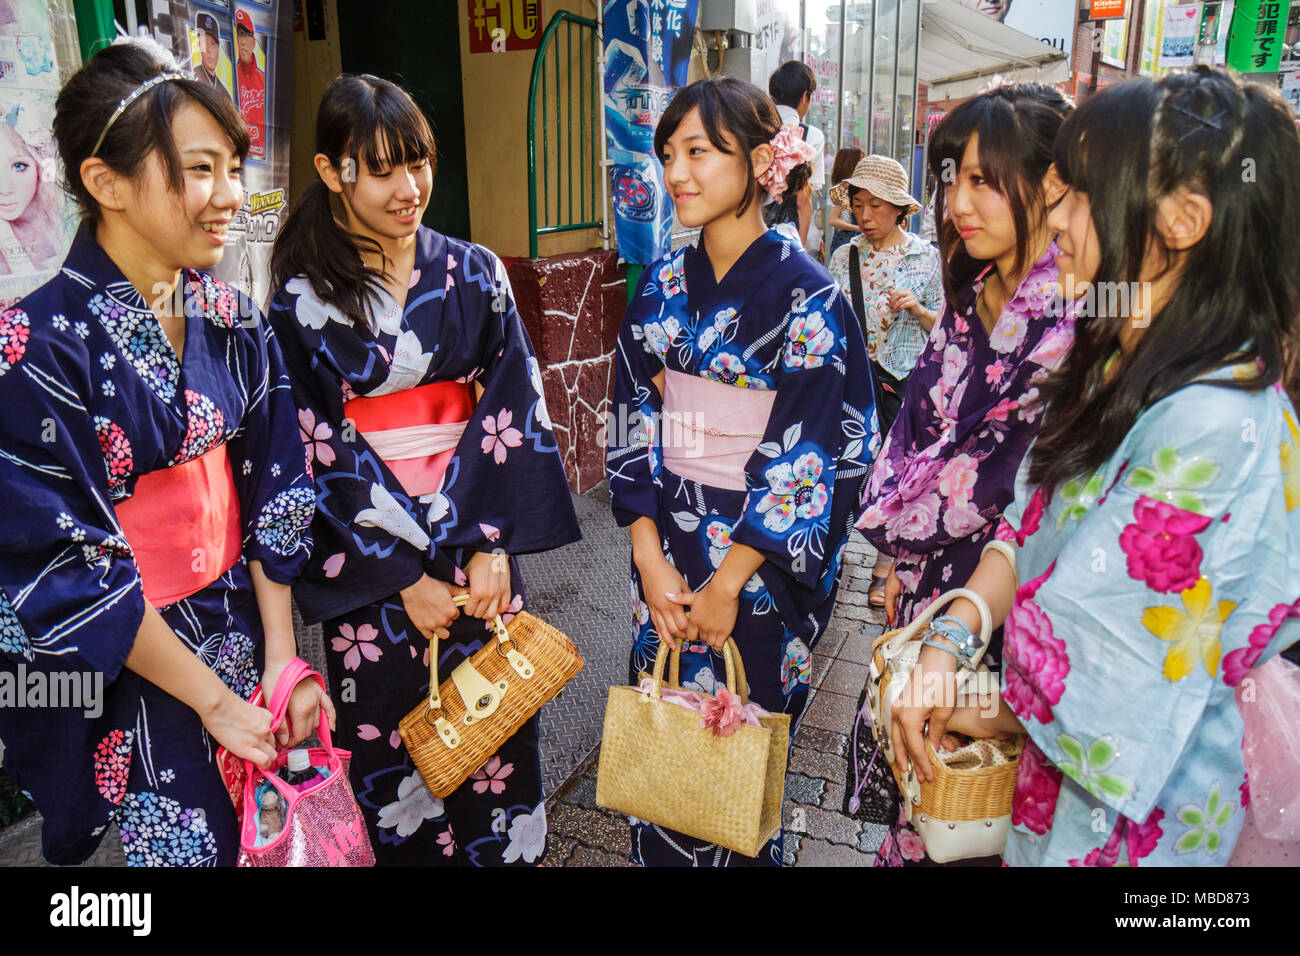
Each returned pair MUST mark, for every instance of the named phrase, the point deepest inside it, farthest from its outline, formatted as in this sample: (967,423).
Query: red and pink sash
(415,431)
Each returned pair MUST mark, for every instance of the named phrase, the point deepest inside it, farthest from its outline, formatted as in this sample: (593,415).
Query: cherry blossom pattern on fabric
(527,836)
(492,776)
(113,764)
(284,520)
(236,663)
(1036,660)
(15,329)
(117,453)
(1138,839)
(158,831)
(500,435)
(1038,785)
(206,427)
(1161,547)
(138,336)
(218,301)
(315,437)
(356,644)
(1236,664)
(413,806)
(13,636)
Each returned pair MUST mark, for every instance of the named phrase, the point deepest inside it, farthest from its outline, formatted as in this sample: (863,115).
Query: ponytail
(313,245)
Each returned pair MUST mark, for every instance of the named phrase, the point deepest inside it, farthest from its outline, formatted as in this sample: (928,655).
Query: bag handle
(290,677)
(498,627)
(730,657)
(888,648)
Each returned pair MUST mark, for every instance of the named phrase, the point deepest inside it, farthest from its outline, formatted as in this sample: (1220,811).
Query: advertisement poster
(37,220)
(1257,30)
(647,54)
(1051,21)
(499,26)
(775,37)
(244,49)
(1182,26)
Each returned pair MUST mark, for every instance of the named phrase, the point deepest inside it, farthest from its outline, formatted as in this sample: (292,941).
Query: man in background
(210,52)
(791,86)
(251,83)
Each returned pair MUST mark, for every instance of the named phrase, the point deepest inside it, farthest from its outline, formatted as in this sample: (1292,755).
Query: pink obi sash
(710,429)
(415,431)
(183,526)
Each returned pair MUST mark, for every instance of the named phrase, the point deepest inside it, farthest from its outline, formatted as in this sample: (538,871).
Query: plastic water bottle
(298,772)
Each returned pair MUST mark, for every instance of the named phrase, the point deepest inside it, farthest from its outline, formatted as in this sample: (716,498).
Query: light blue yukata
(1147,592)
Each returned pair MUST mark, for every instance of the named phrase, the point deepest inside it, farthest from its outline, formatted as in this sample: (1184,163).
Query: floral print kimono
(776,323)
(1148,590)
(503,490)
(95,398)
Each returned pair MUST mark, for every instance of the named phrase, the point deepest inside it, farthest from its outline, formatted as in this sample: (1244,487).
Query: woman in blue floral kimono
(743,403)
(1133,614)
(158,499)
(420,403)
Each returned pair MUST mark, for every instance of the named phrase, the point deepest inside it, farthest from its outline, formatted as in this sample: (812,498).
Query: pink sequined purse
(321,824)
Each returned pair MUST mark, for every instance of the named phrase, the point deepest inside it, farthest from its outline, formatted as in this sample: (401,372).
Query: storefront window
(857,74)
(883,68)
(904,104)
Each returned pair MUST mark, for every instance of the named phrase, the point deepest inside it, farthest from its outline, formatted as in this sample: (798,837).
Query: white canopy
(962,50)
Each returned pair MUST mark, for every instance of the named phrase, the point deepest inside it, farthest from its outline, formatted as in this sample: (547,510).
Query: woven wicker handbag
(658,764)
(965,811)
(486,699)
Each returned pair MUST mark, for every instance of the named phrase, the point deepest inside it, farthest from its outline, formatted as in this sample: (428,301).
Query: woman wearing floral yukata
(420,403)
(159,500)
(743,375)
(1152,556)
(946,470)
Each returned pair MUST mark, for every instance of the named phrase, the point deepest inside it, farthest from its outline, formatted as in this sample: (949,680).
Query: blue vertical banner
(647,55)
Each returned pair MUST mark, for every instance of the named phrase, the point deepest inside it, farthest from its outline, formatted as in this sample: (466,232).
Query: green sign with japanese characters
(1255,36)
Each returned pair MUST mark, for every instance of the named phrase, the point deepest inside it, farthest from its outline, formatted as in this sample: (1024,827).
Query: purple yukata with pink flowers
(503,489)
(1149,590)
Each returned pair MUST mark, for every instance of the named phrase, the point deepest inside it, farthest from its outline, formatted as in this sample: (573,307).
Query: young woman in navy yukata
(158,498)
(420,402)
(743,375)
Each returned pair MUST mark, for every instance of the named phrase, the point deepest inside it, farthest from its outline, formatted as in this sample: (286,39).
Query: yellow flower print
(1291,464)
(1194,632)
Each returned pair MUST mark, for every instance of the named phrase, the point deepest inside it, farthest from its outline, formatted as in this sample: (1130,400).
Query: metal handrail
(588,147)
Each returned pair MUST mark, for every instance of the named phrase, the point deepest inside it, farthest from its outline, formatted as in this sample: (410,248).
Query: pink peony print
(354,646)
(954,363)
(1160,546)
(492,776)
(315,436)
(113,765)
(1036,660)
(962,522)
(957,479)
(911,845)
(916,520)
(500,435)
(1236,664)
(1029,521)
(1138,839)
(1038,785)
(993,373)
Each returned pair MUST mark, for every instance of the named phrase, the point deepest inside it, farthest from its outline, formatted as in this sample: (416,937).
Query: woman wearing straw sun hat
(898,293)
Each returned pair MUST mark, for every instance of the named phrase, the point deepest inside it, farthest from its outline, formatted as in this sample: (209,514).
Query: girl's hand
(429,605)
(489,584)
(978,721)
(242,728)
(930,694)
(893,588)
(659,579)
(303,716)
(713,614)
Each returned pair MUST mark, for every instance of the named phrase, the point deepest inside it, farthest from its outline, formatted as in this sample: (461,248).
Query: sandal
(876,592)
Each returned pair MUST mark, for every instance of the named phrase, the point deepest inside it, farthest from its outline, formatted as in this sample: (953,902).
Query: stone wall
(572,306)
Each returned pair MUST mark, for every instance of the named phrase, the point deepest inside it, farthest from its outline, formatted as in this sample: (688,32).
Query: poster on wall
(243,48)
(1051,21)
(37,219)
(776,36)
(1178,44)
(647,55)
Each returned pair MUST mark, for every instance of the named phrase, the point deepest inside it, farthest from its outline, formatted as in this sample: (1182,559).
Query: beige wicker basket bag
(658,764)
(486,699)
(966,810)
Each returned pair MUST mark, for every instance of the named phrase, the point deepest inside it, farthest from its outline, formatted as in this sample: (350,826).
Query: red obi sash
(183,526)
(415,431)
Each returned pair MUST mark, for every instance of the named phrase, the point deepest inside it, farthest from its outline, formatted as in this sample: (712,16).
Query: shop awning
(962,50)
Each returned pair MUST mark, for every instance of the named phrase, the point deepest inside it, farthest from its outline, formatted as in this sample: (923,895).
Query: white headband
(130,98)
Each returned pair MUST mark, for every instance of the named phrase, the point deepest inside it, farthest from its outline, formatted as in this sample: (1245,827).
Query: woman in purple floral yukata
(947,469)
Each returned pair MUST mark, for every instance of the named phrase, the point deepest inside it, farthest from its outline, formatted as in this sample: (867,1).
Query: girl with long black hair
(420,404)
(1152,556)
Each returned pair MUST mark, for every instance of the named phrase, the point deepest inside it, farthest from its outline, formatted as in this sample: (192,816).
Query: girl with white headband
(159,501)
(742,374)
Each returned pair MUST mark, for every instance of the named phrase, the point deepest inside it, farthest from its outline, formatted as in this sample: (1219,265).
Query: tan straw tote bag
(965,811)
(486,699)
(658,764)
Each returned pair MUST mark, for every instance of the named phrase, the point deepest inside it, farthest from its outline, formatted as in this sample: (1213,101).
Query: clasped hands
(680,614)
(431,606)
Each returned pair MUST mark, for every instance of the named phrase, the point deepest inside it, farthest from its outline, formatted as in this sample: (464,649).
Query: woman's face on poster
(997,9)
(18,177)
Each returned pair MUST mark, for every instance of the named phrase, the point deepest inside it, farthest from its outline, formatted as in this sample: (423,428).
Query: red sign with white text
(1106,9)
(496,26)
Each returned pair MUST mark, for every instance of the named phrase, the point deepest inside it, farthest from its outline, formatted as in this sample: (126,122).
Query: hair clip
(1214,122)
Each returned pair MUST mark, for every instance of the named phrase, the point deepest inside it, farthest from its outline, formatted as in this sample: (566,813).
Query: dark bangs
(725,104)
(1016,125)
(386,128)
